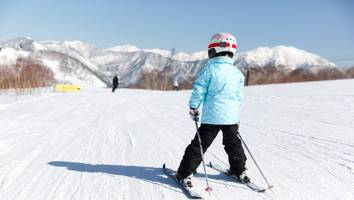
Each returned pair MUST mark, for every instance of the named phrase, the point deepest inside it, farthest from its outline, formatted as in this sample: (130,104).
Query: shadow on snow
(150,174)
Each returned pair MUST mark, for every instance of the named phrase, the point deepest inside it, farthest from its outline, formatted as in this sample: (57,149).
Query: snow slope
(96,144)
(9,56)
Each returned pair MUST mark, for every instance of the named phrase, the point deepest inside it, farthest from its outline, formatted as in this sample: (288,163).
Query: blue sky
(324,27)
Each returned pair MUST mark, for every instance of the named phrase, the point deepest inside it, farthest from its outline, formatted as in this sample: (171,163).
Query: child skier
(220,87)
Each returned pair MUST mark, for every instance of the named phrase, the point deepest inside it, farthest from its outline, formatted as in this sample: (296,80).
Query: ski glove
(194,113)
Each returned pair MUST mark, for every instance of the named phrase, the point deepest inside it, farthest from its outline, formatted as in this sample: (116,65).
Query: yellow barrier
(67,88)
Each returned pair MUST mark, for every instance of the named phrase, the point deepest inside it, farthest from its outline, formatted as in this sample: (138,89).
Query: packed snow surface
(96,144)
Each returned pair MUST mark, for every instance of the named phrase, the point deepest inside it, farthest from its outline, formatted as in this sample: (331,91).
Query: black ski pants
(232,145)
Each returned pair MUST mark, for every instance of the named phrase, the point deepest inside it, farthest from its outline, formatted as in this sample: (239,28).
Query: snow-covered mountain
(130,62)
(201,55)
(290,58)
(9,55)
(23,44)
(67,60)
(124,48)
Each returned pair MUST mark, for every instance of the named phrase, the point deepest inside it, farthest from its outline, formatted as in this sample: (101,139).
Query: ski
(251,185)
(187,191)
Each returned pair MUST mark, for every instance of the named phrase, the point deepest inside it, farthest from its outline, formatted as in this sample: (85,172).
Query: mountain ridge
(131,62)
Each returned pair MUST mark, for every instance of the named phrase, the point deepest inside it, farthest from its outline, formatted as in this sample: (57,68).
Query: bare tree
(25,75)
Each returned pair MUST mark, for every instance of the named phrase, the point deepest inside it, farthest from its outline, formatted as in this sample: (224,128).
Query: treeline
(29,73)
(24,75)
(156,80)
(270,75)
(349,73)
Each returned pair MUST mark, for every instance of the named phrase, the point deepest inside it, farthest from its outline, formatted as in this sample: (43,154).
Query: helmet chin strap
(212,53)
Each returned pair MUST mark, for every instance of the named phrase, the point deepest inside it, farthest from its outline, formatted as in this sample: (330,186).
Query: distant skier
(175,84)
(220,87)
(115,83)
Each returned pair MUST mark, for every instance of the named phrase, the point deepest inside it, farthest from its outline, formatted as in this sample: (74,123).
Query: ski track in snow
(96,144)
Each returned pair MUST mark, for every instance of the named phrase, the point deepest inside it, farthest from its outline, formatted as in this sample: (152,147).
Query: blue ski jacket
(219,87)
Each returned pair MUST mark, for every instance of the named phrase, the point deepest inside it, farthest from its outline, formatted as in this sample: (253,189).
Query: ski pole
(208,188)
(254,160)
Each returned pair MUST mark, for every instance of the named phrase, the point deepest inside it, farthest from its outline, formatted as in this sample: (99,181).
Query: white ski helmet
(222,42)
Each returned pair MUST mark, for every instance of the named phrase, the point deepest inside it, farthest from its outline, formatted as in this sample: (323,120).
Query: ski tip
(264,190)
(261,191)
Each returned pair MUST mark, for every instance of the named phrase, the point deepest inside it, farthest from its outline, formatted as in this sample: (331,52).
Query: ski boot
(243,178)
(187,182)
